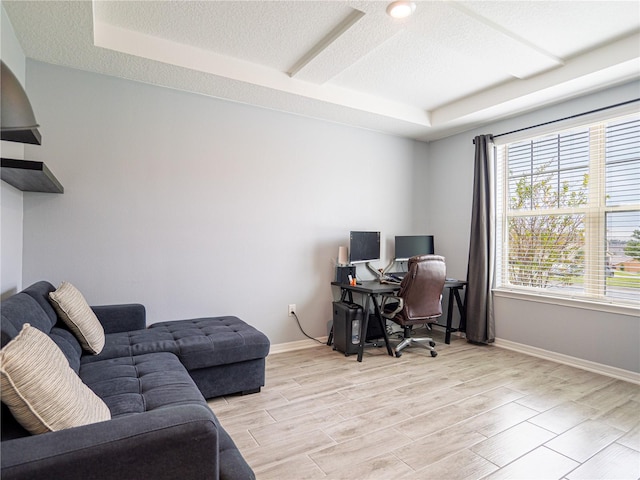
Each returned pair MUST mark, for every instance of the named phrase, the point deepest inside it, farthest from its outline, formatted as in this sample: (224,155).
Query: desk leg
(346,294)
(383,325)
(447,335)
(463,311)
(330,337)
(364,325)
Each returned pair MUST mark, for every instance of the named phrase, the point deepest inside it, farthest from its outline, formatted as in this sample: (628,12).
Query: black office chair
(419,300)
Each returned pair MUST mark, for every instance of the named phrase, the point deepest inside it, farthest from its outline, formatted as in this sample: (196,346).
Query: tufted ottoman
(223,355)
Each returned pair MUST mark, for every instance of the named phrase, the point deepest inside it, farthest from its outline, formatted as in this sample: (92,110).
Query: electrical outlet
(292,309)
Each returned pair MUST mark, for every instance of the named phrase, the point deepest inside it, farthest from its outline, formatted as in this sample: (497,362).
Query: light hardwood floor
(472,412)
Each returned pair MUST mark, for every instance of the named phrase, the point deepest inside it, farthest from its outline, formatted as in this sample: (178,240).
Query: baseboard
(297,345)
(619,373)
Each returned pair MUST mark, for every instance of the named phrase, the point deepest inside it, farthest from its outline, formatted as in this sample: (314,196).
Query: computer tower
(347,318)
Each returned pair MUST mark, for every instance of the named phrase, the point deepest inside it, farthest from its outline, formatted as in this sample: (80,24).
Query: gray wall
(607,338)
(196,206)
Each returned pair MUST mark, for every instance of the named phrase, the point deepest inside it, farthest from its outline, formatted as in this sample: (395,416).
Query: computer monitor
(364,246)
(408,246)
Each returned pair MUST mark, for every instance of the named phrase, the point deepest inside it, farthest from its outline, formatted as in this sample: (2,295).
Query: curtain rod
(565,118)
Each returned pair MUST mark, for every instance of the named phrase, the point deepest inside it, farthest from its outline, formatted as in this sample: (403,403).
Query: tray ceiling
(449,67)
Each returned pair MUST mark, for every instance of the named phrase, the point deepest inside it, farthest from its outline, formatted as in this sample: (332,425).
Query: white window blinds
(569,212)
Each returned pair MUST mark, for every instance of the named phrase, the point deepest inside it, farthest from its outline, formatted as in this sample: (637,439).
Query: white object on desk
(342,256)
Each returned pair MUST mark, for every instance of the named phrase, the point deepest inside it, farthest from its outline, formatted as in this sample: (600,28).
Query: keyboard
(396,276)
(392,278)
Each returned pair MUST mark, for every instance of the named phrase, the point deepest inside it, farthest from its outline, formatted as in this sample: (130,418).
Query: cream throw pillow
(40,388)
(77,314)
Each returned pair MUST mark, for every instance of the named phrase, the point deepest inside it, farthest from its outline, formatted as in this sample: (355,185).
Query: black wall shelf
(22,135)
(29,176)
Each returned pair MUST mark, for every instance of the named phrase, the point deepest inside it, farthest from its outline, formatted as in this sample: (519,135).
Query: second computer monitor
(408,246)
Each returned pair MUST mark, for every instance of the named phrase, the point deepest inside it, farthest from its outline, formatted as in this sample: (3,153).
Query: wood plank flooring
(473,412)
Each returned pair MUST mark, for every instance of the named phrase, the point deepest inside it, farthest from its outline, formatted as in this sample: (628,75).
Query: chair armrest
(121,318)
(169,443)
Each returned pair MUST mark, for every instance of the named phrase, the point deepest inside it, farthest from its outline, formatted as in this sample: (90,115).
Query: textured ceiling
(448,68)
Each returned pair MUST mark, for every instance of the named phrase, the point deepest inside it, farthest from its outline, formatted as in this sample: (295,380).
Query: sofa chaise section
(223,355)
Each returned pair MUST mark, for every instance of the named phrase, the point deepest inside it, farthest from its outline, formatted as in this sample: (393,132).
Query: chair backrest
(421,288)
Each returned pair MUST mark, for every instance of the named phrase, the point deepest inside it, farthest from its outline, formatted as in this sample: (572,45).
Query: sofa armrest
(176,442)
(121,318)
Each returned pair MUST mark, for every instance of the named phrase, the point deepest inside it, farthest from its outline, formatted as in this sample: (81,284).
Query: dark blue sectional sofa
(155,382)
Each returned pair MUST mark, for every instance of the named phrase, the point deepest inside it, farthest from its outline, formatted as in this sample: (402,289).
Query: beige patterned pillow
(77,314)
(40,388)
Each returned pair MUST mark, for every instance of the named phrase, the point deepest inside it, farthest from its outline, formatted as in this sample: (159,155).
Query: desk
(373,288)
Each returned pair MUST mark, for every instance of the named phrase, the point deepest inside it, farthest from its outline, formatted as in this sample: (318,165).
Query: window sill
(587,304)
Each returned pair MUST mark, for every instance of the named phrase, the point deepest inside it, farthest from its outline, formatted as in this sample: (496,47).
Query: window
(569,213)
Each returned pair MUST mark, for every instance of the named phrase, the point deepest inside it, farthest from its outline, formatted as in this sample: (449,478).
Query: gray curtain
(481,269)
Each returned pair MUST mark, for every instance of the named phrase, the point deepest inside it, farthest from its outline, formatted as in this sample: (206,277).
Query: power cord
(303,332)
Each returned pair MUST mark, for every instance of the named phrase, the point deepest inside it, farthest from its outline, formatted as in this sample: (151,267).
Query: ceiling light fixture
(401,9)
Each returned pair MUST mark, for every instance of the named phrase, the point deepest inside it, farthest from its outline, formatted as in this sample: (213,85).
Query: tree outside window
(569,212)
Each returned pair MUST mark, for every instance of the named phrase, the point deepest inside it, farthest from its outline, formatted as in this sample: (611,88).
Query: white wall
(10,198)
(196,206)
(605,338)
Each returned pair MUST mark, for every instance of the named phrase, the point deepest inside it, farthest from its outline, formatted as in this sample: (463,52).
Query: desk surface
(375,287)
(369,286)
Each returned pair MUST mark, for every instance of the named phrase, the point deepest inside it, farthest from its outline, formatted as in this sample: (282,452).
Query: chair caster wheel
(434,353)
(433,344)
(398,354)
